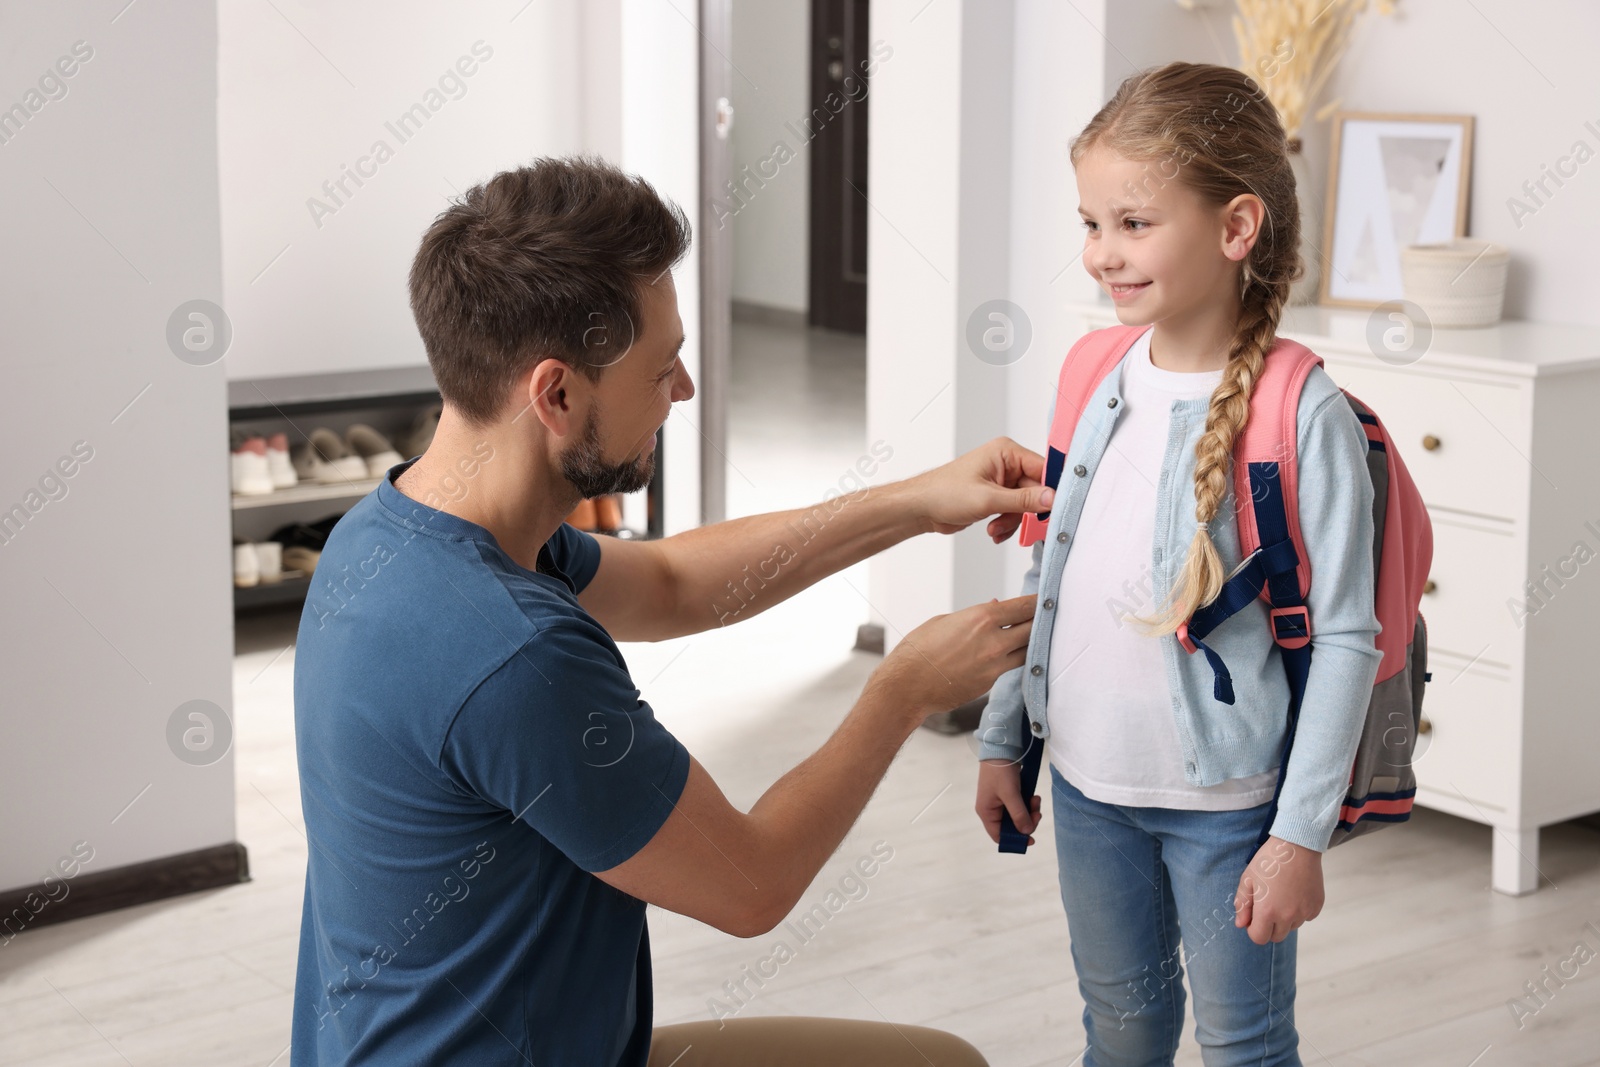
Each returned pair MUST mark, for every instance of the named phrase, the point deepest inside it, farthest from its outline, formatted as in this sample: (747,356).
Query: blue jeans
(1132,879)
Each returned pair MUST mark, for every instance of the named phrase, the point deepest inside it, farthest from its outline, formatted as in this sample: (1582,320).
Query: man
(489,801)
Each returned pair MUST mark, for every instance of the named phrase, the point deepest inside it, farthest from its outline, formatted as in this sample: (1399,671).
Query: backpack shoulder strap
(1086,366)
(1275,564)
(1271,436)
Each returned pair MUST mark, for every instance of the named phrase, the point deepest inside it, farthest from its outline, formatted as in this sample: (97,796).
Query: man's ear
(546,392)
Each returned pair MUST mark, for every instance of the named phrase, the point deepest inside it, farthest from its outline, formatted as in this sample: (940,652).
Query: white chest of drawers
(1500,428)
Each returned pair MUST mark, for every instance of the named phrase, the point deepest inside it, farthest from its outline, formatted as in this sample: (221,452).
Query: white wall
(660,101)
(315,89)
(937,247)
(116,596)
(771,94)
(1060,68)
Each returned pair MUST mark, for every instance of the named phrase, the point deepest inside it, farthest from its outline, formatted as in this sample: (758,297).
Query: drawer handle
(1425,726)
(1430,442)
(1429,586)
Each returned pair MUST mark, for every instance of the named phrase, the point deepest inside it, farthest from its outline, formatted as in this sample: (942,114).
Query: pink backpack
(1277,569)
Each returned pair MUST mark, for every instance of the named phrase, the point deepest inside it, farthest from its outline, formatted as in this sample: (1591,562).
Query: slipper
(423,427)
(300,558)
(325,459)
(313,535)
(373,448)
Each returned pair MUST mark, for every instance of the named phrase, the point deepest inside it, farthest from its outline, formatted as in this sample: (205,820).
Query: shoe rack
(388,400)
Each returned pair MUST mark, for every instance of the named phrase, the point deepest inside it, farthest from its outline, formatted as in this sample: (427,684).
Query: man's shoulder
(563,649)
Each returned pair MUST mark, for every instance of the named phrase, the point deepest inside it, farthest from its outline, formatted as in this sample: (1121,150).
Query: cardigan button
(1049,604)
(1111,403)
(1036,728)
(1062,537)
(1036,670)
(1080,470)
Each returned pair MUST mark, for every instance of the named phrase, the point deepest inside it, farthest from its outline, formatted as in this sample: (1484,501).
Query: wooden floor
(1412,962)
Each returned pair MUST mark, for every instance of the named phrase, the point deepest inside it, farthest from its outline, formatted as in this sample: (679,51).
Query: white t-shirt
(1113,732)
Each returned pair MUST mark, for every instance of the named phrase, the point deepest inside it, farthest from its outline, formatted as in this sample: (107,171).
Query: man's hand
(954,658)
(1000,478)
(1279,890)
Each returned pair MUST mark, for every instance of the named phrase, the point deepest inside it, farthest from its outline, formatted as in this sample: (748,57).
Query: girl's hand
(1279,890)
(1000,789)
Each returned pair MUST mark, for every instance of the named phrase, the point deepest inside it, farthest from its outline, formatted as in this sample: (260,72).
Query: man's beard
(585,467)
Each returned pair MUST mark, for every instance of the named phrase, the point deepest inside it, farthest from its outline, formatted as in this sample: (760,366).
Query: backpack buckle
(1184,639)
(1291,627)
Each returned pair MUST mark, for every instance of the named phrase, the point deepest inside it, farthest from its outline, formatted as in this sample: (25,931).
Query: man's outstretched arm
(730,571)
(742,873)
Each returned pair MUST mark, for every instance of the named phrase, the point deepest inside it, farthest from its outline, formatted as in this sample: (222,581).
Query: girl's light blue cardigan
(1221,741)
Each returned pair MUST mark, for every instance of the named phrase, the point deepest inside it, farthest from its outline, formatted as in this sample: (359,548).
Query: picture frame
(1393,180)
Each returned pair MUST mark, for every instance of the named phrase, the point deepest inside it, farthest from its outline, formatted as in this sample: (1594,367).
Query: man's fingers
(1015,457)
(1017,609)
(1034,498)
(1001,529)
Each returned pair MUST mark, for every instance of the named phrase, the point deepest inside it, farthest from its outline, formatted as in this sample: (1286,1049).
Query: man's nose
(682,386)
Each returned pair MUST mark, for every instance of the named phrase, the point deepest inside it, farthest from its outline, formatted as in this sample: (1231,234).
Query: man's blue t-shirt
(470,747)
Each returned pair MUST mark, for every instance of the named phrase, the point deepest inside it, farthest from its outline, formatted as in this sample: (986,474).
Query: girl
(1158,789)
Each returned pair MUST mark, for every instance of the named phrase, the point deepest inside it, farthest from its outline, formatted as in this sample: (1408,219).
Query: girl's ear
(1241,225)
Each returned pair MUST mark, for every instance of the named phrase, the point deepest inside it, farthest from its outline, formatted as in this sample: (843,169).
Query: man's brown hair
(543,261)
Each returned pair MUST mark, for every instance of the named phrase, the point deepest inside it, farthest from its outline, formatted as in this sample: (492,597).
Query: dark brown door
(841,60)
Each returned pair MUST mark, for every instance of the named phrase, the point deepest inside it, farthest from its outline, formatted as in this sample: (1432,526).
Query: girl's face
(1153,245)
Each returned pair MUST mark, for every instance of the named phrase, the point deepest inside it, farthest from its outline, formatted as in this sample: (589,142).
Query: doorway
(783,245)
(837,123)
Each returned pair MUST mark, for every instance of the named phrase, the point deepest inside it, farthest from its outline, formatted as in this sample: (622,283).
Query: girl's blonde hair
(1217,128)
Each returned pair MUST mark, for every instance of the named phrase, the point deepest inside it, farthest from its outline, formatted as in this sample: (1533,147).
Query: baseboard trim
(766,315)
(91,893)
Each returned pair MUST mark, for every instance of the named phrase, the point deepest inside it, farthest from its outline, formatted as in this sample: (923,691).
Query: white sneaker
(246,566)
(278,466)
(250,474)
